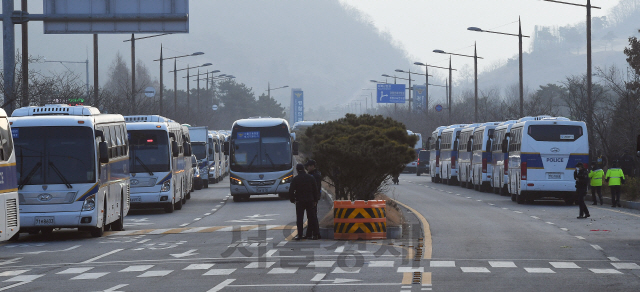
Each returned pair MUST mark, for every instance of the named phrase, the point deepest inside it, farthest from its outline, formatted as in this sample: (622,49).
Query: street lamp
(427,79)
(133,65)
(426,71)
(269,89)
(198,81)
(475,72)
(175,86)
(589,84)
(161,79)
(520,36)
(371,90)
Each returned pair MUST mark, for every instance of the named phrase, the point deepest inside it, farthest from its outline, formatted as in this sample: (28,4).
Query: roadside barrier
(360,219)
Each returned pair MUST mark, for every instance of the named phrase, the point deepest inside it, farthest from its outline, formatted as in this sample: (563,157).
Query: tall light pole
(133,67)
(269,89)
(475,73)
(520,36)
(427,77)
(589,83)
(175,79)
(427,82)
(161,74)
(371,90)
(395,105)
(198,82)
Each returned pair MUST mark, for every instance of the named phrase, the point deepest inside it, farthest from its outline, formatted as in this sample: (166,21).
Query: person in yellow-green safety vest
(615,178)
(595,176)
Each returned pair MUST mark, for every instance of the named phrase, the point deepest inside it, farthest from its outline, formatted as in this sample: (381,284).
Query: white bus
(449,154)
(413,165)
(9,203)
(157,167)
(433,143)
(261,151)
(465,154)
(500,158)
(481,166)
(542,157)
(72,168)
(189,170)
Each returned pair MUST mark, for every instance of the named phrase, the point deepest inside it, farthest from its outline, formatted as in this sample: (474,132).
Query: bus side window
(125,139)
(5,139)
(107,138)
(119,144)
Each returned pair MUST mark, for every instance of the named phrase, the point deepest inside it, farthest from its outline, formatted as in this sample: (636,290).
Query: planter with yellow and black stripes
(360,219)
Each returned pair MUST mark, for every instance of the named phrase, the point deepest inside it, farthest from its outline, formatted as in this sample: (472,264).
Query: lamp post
(161,76)
(520,36)
(371,90)
(133,66)
(395,105)
(175,79)
(427,82)
(475,73)
(426,71)
(589,83)
(198,81)
(269,89)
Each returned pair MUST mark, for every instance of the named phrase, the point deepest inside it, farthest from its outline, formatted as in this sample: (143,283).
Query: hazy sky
(420,26)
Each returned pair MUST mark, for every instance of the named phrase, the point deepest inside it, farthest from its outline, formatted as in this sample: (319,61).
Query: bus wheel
(118,225)
(178,205)
(169,208)
(513,197)
(99,231)
(520,198)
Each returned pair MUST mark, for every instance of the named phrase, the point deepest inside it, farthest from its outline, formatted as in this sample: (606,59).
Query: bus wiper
(30,175)
(64,179)
(252,160)
(271,161)
(143,165)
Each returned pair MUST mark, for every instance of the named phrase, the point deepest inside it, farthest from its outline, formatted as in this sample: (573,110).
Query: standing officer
(615,178)
(582,181)
(304,193)
(596,175)
(313,171)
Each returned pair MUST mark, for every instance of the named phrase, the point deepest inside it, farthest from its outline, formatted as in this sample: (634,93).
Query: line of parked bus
(72,167)
(528,159)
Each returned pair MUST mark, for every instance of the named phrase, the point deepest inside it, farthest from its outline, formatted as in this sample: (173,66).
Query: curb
(393,232)
(607,201)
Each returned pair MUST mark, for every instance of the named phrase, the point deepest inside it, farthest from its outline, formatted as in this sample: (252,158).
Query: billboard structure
(391,93)
(115,16)
(419,97)
(297,106)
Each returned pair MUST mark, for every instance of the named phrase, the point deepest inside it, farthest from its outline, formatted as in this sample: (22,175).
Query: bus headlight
(287,179)
(166,186)
(89,203)
(212,169)
(235,181)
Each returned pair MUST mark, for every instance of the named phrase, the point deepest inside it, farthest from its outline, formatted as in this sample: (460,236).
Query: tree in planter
(360,153)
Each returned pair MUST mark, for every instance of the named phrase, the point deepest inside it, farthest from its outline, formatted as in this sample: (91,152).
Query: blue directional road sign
(438,108)
(391,93)
(419,97)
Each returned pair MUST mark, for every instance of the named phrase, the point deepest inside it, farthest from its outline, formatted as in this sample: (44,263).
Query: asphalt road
(479,242)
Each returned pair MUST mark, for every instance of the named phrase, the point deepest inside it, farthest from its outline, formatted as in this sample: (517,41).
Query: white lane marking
(626,266)
(579,237)
(318,277)
(564,229)
(497,264)
(449,192)
(74,270)
(474,270)
(13,285)
(219,272)
(197,219)
(468,197)
(282,243)
(443,264)
(534,217)
(183,225)
(13,273)
(379,264)
(321,264)
(283,271)
(196,229)
(155,274)
(207,214)
(614,259)
(550,223)
(410,269)
(185,254)
(491,204)
(478,200)
(339,249)
(214,210)
(517,212)
(143,241)
(139,268)
(596,247)
(505,208)
(102,256)
(23,278)
(426,289)
(457,194)
(539,270)
(43,251)
(271,252)
(605,271)
(218,206)
(88,276)
(220,286)
(564,265)
(158,231)
(347,270)
(259,265)
(115,288)
(198,267)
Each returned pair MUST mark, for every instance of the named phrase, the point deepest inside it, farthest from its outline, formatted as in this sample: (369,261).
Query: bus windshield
(261,149)
(199,149)
(54,155)
(149,151)
(555,133)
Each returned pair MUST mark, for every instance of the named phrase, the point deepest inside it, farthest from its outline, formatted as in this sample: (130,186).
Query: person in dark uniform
(304,193)
(582,181)
(313,171)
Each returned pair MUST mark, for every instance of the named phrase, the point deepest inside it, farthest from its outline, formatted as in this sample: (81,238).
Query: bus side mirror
(217,148)
(488,146)
(455,145)
(210,151)
(226,148)
(187,149)
(504,145)
(469,143)
(174,149)
(104,152)
(295,148)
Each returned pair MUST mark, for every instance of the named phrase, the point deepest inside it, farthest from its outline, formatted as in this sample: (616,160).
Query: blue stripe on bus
(91,191)
(168,177)
(533,160)
(8,177)
(574,158)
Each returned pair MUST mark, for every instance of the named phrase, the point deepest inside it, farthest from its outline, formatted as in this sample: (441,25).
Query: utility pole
(133,74)
(25,57)
(95,71)
(9,56)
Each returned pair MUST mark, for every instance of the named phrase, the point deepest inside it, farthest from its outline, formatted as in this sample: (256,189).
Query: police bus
(158,170)
(261,154)
(543,154)
(465,155)
(433,143)
(449,154)
(189,170)
(9,203)
(500,158)
(72,168)
(481,166)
